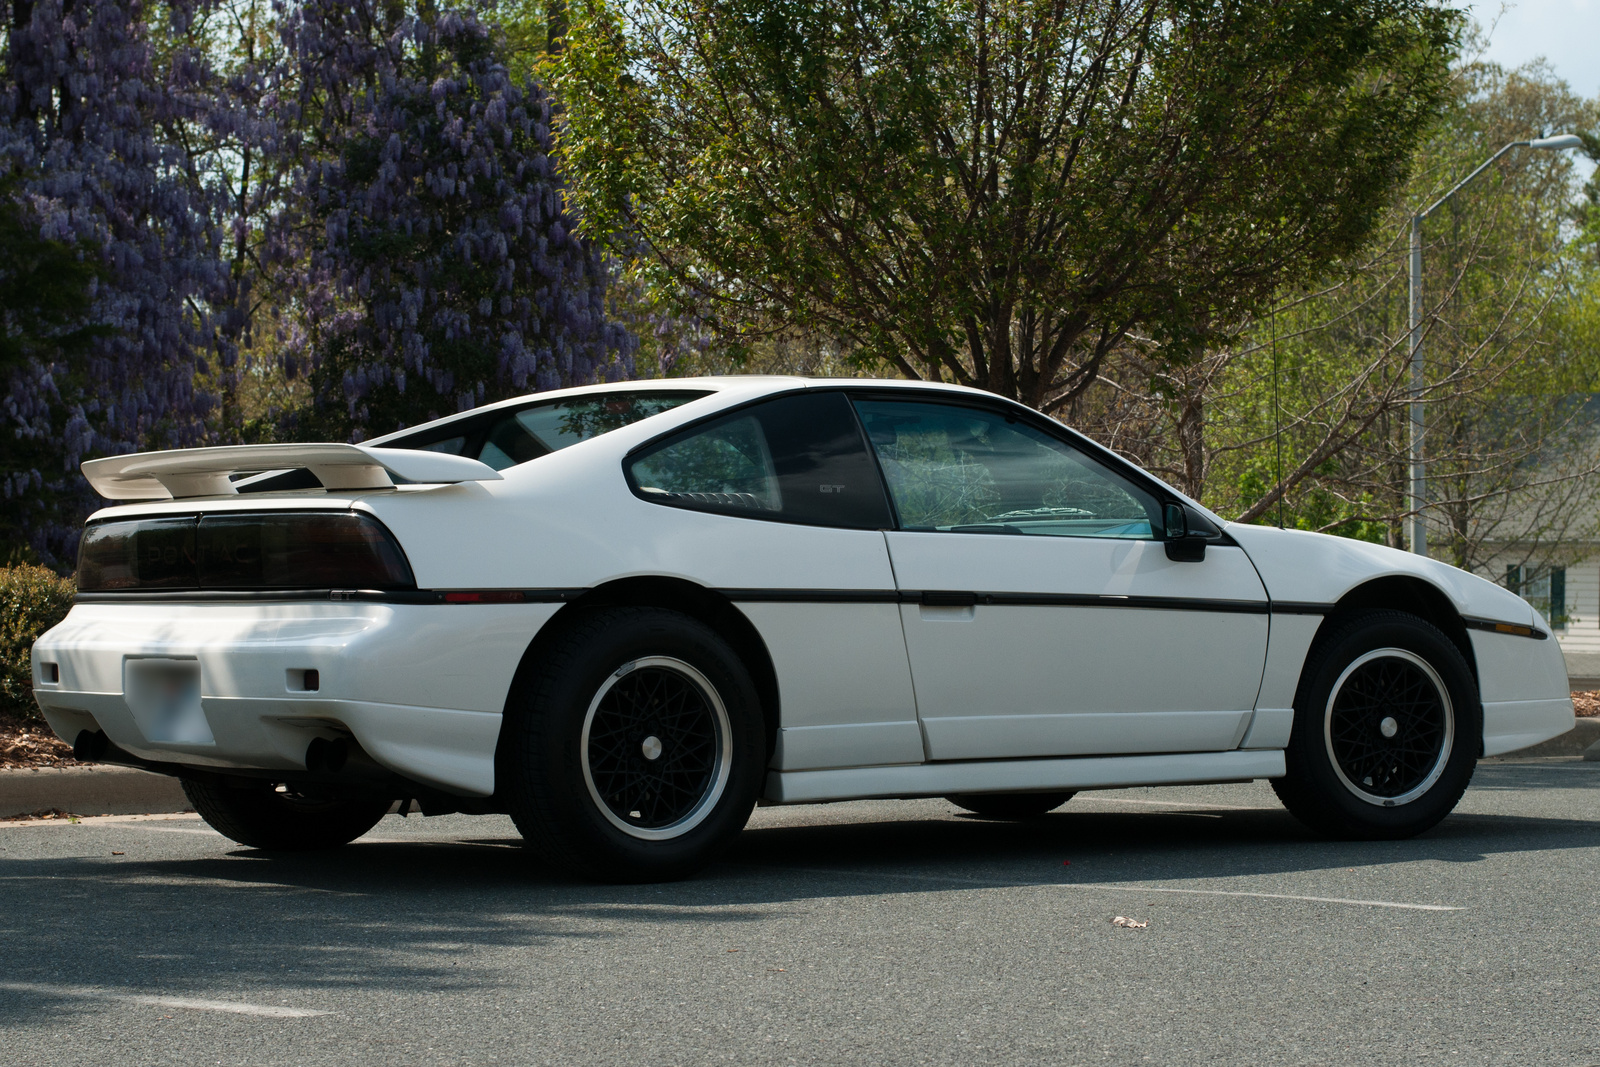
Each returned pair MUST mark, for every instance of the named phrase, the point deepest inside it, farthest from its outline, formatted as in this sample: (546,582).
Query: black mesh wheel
(655,748)
(1390,726)
(1387,729)
(633,746)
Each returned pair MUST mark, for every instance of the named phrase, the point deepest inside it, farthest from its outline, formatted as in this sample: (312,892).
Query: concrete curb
(1582,740)
(90,791)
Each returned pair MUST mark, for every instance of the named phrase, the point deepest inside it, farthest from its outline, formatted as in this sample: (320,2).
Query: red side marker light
(491,596)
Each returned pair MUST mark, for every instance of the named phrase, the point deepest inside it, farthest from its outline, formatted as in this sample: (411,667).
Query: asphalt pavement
(882,932)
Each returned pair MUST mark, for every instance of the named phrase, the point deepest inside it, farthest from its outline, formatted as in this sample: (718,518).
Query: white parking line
(1115,887)
(231,1007)
(1268,896)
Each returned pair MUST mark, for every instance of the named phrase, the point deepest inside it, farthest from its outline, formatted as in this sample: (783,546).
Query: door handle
(949,600)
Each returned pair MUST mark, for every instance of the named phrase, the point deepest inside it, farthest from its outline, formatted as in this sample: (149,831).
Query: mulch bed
(27,744)
(41,815)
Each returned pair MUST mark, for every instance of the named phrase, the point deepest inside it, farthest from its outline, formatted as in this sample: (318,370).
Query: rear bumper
(420,688)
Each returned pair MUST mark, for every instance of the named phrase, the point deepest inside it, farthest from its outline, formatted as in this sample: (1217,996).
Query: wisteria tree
(442,269)
(83,101)
(355,195)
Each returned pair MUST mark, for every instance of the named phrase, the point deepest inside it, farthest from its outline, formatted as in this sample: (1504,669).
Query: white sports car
(626,614)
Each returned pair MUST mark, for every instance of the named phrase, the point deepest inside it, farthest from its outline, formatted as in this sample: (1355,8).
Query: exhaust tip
(90,746)
(325,755)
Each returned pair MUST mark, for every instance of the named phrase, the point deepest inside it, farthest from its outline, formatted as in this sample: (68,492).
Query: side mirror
(1176,521)
(1184,545)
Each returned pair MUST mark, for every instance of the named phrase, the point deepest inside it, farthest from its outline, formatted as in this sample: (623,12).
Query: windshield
(507,436)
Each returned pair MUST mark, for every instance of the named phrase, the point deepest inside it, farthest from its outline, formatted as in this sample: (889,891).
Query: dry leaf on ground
(1131,924)
(42,813)
(32,745)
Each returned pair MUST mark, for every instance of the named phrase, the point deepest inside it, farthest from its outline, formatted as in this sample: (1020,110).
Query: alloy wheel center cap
(1388,727)
(651,746)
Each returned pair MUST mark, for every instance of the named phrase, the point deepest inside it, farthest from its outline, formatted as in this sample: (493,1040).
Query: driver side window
(968,470)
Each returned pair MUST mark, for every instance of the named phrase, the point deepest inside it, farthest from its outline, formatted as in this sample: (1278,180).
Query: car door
(780,505)
(1042,614)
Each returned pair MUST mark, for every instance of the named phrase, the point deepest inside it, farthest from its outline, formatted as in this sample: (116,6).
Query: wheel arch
(676,594)
(1408,594)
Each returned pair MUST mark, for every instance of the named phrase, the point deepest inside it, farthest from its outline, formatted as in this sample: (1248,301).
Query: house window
(1545,590)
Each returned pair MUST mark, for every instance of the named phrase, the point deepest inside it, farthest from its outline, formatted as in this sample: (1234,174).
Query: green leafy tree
(998,194)
(1303,416)
(1510,370)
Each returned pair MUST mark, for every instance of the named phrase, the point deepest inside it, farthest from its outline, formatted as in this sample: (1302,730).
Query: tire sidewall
(259,818)
(1311,763)
(563,703)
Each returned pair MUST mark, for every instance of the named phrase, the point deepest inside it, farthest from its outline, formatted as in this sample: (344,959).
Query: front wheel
(1387,728)
(634,750)
(276,817)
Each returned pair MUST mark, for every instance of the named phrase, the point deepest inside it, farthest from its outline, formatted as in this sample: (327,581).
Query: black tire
(269,818)
(1010,805)
(634,749)
(1387,730)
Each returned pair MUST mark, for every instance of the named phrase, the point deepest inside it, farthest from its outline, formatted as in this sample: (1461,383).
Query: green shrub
(32,599)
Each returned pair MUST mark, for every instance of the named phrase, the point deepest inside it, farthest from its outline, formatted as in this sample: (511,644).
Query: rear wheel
(1010,805)
(635,750)
(271,816)
(1387,728)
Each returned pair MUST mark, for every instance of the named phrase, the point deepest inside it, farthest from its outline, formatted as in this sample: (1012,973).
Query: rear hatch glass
(505,437)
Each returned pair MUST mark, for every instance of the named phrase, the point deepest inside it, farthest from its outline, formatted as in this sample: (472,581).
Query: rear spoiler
(187,472)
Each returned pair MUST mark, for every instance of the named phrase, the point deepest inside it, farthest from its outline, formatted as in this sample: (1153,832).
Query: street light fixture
(1418,496)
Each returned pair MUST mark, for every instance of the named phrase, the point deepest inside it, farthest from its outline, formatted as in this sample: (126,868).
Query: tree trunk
(1192,441)
(555,23)
(21,17)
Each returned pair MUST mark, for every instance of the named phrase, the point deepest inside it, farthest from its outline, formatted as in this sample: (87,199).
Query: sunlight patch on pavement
(230,1007)
(99,820)
(1175,804)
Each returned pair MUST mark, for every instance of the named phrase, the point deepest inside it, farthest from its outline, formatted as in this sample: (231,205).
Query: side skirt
(1020,776)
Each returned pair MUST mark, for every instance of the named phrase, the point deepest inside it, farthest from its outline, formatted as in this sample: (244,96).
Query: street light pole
(1417,491)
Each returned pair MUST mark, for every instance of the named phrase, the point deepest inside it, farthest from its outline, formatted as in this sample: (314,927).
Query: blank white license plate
(164,696)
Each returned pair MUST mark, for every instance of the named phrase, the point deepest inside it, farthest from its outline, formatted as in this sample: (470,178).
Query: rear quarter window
(798,458)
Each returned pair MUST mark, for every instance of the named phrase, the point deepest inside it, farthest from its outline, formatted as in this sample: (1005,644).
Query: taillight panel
(242,551)
(142,554)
